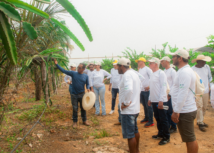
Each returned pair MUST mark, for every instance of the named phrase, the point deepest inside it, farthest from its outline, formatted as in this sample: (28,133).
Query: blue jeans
(74,100)
(114,93)
(129,125)
(144,98)
(169,114)
(119,118)
(162,120)
(100,93)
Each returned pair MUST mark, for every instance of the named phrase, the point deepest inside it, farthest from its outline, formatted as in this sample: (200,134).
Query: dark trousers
(169,114)
(144,97)
(114,93)
(162,120)
(74,100)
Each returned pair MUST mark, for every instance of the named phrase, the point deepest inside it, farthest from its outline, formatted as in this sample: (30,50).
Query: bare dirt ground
(56,135)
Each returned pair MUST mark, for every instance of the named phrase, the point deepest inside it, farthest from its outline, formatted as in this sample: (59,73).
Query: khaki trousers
(202,106)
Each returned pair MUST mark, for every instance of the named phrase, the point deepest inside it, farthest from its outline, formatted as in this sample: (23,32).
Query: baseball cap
(97,63)
(155,60)
(114,62)
(124,61)
(141,59)
(166,58)
(182,52)
(73,65)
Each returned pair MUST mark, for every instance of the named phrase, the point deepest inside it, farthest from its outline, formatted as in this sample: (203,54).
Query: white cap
(97,63)
(155,60)
(182,52)
(166,58)
(124,61)
(73,65)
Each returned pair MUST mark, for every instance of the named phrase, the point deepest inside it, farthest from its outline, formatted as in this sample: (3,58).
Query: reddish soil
(56,135)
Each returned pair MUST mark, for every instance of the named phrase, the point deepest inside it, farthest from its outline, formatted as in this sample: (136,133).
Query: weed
(103,133)
(95,121)
(98,143)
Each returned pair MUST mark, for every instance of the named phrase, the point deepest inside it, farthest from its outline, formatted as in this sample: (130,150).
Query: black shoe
(157,137)
(202,127)
(144,121)
(205,125)
(172,130)
(164,141)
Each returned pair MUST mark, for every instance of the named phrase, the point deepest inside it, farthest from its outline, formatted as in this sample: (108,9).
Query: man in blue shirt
(79,80)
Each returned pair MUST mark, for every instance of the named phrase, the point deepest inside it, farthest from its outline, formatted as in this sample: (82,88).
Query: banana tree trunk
(38,84)
(44,83)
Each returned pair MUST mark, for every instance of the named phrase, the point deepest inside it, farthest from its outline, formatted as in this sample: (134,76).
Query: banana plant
(8,13)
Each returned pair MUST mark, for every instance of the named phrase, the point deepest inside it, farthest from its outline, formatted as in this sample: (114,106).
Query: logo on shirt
(200,81)
(181,85)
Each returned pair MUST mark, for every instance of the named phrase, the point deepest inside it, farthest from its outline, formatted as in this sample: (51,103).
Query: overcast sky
(140,25)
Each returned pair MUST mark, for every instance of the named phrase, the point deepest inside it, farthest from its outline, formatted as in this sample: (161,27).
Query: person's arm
(128,83)
(184,87)
(163,87)
(149,73)
(70,73)
(108,75)
(173,75)
(87,84)
(110,82)
(212,96)
(140,76)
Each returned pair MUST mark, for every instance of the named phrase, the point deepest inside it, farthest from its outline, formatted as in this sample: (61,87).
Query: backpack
(199,87)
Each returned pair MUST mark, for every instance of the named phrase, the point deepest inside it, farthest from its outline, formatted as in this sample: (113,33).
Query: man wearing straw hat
(129,99)
(170,74)
(183,100)
(158,100)
(78,90)
(146,72)
(203,70)
(114,85)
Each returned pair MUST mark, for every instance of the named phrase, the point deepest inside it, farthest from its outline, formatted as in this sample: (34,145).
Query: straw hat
(88,100)
(141,59)
(203,58)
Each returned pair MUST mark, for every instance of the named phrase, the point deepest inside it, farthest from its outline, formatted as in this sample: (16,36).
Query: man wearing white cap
(183,100)
(146,72)
(203,70)
(158,99)
(114,84)
(90,71)
(68,78)
(170,74)
(129,99)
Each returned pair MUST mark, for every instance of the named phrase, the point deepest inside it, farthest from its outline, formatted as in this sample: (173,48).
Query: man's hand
(160,105)
(168,97)
(125,106)
(55,61)
(149,103)
(175,117)
(69,82)
(92,89)
(146,88)
(88,90)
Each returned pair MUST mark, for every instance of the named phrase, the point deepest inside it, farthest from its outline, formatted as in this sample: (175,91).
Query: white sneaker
(111,112)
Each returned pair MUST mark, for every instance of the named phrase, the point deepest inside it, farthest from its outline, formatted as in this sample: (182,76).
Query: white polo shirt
(97,77)
(146,72)
(170,75)
(158,87)
(129,91)
(205,75)
(115,78)
(212,96)
(183,99)
(89,73)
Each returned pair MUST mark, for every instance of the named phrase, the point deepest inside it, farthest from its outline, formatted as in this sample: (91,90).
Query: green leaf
(8,39)
(71,35)
(10,11)
(71,9)
(28,7)
(48,51)
(44,1)
(29,29)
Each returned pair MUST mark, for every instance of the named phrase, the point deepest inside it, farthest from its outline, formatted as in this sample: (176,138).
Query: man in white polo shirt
(89,72)
(203,70)
(144,95)
(129,99)
(114,84)
(170,74)
(183,100)
(158,99)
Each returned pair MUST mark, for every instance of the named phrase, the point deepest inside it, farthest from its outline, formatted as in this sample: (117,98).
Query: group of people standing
(167,95)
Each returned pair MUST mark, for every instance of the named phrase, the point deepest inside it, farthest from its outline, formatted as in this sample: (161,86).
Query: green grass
(101,134)
(95,121)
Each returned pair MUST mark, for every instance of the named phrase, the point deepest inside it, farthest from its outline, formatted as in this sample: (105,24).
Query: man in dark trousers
(79,80)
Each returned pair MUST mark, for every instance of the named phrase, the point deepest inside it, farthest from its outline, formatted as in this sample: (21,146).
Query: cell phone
(165,107)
